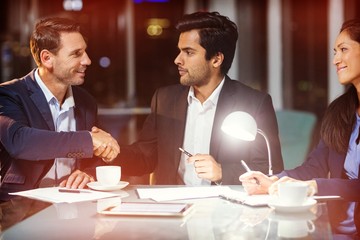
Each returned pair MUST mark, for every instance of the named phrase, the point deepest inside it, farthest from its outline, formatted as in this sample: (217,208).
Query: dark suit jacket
(29,142)
(321,163)
(163,133)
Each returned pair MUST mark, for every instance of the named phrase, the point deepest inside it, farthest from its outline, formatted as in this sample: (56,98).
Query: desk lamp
(242,125)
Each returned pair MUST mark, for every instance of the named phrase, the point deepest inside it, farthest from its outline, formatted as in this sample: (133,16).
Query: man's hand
(105,146)
(206,167)
(77,179)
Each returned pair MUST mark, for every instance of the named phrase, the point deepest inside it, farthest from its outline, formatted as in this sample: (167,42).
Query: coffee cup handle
(311,226)
(311,191)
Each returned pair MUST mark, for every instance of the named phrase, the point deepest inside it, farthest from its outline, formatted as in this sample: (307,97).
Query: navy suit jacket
(29,142)
(326,166)
(157,148)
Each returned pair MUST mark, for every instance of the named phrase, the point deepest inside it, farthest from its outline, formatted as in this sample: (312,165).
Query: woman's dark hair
(217,34)
(46,35)
(339,119)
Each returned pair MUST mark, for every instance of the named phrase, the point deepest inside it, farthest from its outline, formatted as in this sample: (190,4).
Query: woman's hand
(273,190)
(255,182)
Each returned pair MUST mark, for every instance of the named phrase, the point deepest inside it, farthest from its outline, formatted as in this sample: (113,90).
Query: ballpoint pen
(185,152)
(245,166)
(248,170)
(68,190)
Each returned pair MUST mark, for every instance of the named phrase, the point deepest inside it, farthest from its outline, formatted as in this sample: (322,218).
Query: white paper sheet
(179,193)
(52,194)
(262,199)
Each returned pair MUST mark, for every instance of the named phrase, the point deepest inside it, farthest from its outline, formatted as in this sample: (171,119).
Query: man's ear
(218,59)
(46,58)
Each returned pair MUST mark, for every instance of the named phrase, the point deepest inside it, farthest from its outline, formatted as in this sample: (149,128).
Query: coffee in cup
(108,175)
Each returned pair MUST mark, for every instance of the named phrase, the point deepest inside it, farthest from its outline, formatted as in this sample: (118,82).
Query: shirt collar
(213,98)
(69,98)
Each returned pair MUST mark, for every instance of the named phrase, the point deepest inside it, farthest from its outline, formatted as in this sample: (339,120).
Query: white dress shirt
(64,121)
(199,122)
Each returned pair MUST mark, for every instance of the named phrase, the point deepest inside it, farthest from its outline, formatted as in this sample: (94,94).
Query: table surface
(212,218)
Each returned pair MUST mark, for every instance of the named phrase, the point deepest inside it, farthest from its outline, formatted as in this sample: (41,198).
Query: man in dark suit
(46,120)
(190,114)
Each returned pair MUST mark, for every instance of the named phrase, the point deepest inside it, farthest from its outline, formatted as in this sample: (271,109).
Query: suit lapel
(38,97)
(79,113)
(225,105)
(80,117)
(180,114)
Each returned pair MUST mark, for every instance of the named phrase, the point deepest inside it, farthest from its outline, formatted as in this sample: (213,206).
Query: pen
(68,190)
(249,170)
(185,152)
(245,166)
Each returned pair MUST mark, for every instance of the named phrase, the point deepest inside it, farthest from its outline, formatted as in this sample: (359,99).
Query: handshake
(104,145)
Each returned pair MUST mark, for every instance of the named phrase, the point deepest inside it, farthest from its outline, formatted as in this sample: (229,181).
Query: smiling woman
(346,51)
(336,154)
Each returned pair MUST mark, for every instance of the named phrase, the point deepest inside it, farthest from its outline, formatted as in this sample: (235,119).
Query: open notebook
(263,199)
(243,198)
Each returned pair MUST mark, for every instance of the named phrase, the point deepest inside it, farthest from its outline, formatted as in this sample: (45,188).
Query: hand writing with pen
(268,185)
(255,182)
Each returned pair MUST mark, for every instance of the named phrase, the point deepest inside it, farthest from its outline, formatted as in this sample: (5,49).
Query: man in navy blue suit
(46,119)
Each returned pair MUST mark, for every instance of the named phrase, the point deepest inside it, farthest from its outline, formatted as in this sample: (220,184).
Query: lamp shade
(240,125)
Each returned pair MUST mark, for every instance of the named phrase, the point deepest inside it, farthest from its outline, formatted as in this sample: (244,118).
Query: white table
(213,218)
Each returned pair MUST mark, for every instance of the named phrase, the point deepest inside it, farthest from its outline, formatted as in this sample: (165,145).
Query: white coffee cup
(108,175)
(293,193)
(295,228)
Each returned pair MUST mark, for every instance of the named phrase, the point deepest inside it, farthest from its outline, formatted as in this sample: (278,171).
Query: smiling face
(347,59)
(70,62)
(193,68)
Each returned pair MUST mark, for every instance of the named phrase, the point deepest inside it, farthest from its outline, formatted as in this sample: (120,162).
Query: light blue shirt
(351,166)
(64,121)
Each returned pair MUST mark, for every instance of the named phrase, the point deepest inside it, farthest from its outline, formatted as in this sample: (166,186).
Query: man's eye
(77,54)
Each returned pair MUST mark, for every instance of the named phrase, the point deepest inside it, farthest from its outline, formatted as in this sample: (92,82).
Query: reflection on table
(212,218)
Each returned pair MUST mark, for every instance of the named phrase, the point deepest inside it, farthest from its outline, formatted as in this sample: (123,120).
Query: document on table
(180,193)
(242,197)
(261,200)
(53,195)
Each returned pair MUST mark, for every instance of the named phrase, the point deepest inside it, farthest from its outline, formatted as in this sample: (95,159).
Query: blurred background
(285,48)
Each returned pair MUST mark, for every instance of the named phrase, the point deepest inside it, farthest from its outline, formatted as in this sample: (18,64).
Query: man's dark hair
(217,34)
(46,35)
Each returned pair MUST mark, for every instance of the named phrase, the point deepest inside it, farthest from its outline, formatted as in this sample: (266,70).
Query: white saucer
(292,209)
(288,216)
(98,186)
